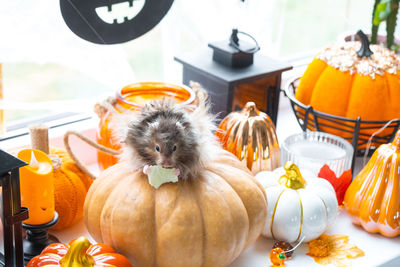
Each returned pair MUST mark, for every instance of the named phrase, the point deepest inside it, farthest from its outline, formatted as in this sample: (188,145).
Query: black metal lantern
(233,75)
(13,214)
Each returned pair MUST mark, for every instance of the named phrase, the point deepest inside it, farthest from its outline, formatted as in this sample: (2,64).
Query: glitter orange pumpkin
(340,83)
(345,82)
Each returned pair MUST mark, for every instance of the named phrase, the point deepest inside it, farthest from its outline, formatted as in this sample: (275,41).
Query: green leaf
(382,11)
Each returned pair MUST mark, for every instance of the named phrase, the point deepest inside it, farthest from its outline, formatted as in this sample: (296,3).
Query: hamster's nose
(167,163)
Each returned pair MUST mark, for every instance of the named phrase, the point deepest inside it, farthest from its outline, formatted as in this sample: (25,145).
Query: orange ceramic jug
(133,97)
(373,197)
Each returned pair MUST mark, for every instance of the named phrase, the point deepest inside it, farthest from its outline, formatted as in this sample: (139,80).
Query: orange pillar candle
(37,186)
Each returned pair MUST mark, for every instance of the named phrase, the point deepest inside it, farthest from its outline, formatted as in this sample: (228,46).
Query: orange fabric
(339,93)
(331,92)
(349,95)
(369,98)
(309,79)
(393,82)
(70,187)
(70,164)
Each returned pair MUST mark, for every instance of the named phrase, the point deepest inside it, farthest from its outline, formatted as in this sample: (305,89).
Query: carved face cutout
(113,21)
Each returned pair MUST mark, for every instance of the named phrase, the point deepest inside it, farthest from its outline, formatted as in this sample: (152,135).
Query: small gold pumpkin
(250,135)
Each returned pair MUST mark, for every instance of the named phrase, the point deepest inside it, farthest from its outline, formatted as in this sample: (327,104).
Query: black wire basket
(356,131)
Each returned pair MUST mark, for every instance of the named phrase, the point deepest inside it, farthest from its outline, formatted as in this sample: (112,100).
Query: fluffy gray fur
(166,134)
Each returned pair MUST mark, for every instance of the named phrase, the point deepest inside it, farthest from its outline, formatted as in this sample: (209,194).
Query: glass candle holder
(311,150)
(130,98)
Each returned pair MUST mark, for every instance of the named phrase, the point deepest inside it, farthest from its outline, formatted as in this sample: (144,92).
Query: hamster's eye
(157,148)
(174,148)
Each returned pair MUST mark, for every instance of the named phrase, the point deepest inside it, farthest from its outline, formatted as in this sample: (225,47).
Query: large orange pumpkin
(373,198)
(340,83)
(204,221)
(250,135)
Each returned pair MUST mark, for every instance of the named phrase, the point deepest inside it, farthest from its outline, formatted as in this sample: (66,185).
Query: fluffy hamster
(164,133)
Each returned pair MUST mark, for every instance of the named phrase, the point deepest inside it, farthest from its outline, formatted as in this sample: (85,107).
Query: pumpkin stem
(76,255)
(293,178)
(250,109)
(364,51)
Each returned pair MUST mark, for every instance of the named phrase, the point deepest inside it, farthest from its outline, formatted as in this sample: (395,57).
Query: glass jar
(311,150)
(131,98)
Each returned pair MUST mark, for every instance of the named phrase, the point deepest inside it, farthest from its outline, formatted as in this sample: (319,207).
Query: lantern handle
(364,51)
(234,42)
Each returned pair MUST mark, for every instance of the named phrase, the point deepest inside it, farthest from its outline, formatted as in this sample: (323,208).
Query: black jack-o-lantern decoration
(113,21)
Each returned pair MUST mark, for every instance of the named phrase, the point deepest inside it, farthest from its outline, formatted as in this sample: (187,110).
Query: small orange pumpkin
(79,253)
(250,135)
(373,197)
(70,187)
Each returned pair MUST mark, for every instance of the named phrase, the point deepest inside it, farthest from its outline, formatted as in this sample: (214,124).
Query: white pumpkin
(297,207)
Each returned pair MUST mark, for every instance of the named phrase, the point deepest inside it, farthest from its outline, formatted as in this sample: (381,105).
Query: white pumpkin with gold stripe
(297,207)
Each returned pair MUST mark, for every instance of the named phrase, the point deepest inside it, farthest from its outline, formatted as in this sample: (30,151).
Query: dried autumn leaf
(340,250)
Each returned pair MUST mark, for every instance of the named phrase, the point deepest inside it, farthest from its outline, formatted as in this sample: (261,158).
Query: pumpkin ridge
(250,144)
(326,208)
(71,211)
(203,249)
(173,209)
(73,196)
(364,185)
(259,187)
(349,93)
(155,227)
(273,213)
(262,146)
(376,196)
(385,211)
(301,216)
(387,87)
(243,139)
(210,186)
(237,142)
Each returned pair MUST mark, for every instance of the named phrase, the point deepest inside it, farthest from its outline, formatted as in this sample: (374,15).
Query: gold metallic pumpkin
(250,135)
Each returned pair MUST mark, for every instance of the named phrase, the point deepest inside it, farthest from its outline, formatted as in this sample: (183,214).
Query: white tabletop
(378,250)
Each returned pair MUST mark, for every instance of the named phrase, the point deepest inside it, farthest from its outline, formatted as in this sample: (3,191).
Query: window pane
(44,61)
